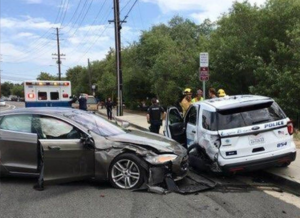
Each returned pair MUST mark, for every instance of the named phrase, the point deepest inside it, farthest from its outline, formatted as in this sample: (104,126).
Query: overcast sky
(28,29)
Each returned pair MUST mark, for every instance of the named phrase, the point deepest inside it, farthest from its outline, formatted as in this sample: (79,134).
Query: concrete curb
(291,185)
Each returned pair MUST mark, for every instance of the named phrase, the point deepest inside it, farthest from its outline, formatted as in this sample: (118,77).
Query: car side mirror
(88,141)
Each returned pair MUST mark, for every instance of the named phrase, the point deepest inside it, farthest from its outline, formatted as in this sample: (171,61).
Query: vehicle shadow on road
(23,187)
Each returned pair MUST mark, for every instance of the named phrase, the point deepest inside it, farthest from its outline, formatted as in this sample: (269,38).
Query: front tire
(196,158)
(126,172)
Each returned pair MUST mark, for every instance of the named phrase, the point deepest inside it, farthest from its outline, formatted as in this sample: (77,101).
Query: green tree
(79,80)
(6,88)
(18,90)
(106,77)
(233,49)
(251,50)
(136,84)
(46,76)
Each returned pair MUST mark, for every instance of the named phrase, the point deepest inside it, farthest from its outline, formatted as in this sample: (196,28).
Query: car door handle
(193,131)
(56,148)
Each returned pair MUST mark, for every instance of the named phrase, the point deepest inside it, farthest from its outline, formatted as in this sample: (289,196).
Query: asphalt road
(89,199)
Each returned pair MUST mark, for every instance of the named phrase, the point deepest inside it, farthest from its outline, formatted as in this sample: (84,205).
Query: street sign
(204,78)
(203,70)
(203,74)
(204,59)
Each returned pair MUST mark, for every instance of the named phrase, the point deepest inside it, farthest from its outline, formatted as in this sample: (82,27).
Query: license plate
(254,140)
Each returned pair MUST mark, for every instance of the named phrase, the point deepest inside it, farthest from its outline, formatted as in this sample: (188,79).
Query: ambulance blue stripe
(48,104)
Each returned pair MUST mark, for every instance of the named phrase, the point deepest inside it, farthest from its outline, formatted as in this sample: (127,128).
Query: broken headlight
(160,159)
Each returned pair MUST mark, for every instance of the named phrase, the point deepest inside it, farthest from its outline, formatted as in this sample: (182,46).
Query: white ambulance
(41,93)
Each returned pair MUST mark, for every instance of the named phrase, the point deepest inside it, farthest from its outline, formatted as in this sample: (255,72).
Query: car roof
(235,101)
(58,111)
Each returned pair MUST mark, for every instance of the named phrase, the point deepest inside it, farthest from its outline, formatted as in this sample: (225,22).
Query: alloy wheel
(125,173)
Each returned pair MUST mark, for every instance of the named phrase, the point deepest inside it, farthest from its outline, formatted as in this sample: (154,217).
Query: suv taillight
(290,127)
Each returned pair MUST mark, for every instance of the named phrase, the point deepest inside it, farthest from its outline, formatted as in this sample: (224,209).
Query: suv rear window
(91,100)
(243,116)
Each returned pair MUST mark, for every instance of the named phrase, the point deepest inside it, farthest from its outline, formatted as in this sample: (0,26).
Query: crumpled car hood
(158,142)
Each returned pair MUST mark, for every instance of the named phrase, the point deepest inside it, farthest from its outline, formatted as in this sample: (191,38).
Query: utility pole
(0,75)
(0,83)
(118,58)
(90,79)
(58,54)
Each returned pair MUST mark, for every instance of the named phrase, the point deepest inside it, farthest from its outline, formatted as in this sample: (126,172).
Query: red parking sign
(203,74)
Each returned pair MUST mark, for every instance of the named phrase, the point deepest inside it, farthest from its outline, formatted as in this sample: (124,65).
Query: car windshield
(243,116)
(96,124)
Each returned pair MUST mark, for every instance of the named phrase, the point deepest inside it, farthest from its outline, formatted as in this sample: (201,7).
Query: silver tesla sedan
(62,144)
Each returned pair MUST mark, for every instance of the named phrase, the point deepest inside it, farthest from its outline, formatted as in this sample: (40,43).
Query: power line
(16,78)
(129,11)
(85,36)
(35,53)
(125,6)
(74,12)
(65,12)
(77,18)
(93,43)
(36,43)
(59,10)
(40,46)
(142,21)
(83,18)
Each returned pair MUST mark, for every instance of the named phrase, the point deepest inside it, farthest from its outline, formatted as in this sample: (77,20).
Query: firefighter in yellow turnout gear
(186,101)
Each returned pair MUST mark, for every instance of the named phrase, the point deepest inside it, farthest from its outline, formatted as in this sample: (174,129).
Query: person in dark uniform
(82,103)
(155,115)
(109,107)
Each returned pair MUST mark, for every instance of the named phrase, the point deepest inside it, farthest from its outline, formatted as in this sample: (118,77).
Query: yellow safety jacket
(185,104)
(196,99)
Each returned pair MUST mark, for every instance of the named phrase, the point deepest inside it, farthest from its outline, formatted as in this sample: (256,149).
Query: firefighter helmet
(187,91)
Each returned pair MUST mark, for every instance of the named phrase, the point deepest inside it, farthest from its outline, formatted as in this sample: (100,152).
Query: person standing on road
(186,101)
(155,115)
(199,96)
(82,102)
(109,107)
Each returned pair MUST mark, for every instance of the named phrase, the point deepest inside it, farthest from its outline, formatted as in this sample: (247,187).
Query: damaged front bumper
(162,181)
(176,169)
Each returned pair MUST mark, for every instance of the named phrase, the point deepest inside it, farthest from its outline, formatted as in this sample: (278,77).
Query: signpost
(204,69)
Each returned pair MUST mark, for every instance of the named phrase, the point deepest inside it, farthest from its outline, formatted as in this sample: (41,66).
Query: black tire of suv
(195,159)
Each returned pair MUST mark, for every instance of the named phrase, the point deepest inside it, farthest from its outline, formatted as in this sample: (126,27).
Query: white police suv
(236,133)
